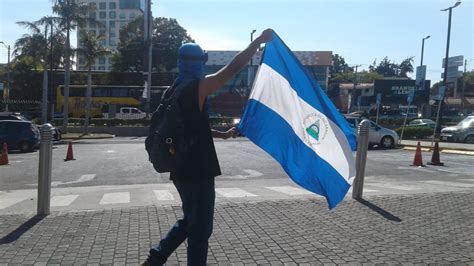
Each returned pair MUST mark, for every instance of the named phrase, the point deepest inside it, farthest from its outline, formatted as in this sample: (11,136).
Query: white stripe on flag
(275,92)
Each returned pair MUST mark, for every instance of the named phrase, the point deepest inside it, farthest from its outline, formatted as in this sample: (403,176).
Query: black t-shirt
(201,161)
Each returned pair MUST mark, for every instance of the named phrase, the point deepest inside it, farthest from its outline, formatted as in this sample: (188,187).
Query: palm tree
(90,50)
(30,45)
(70,16)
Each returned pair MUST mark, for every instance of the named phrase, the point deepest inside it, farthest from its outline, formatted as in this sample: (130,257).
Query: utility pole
(463,85)
(148,24)
(355,84)
(8,75)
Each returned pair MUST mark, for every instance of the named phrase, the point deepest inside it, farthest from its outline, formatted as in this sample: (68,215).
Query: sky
(359,30)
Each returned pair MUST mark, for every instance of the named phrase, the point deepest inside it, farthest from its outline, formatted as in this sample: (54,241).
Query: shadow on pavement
(380,211)
(17,233)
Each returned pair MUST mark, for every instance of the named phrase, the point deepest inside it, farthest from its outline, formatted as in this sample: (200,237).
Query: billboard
(397,91)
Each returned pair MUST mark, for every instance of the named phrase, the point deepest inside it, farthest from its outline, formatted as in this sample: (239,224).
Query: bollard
(361,158)
(44,170)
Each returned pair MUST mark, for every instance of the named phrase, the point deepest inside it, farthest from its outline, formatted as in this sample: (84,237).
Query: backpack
(166,143)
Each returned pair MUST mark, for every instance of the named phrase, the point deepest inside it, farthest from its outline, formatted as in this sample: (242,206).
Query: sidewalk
(448,147)
(426,228)
(77,136)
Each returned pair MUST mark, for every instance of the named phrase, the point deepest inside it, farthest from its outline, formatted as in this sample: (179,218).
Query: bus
(105,96)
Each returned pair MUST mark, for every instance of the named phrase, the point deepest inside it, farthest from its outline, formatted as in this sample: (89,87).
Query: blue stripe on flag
(274,135)
(287,65)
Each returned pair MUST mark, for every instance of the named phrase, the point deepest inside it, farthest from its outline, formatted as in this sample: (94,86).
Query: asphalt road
(123,161)
(116,173)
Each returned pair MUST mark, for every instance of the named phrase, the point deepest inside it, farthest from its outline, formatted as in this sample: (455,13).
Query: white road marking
(288,190)
(62,201)
(364,190)
(234,193)
(115,198)
(163,195)
(393,186)
(421,169)
(451,184)
(83,178)
(468,180)
(110,151)
(250,173)
(10,201)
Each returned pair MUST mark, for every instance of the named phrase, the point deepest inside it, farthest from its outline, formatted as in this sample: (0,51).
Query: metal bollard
(44,170)
(361,158)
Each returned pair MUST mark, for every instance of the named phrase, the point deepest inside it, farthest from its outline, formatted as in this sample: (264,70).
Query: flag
(291,118)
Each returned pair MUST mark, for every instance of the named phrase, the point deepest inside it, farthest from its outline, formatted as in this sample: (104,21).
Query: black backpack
(167,143)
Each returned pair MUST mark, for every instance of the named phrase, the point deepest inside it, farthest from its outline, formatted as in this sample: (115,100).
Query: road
(116,172)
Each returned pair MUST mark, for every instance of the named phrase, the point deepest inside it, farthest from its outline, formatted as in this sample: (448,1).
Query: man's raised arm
(212,82)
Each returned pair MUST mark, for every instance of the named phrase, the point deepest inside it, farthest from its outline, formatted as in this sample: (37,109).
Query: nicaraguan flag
(291,118)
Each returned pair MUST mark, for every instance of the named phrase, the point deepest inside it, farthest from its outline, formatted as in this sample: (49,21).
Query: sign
(410,97)
(440,95)
(395,91)
(379,98)
(420,75)
(454,61)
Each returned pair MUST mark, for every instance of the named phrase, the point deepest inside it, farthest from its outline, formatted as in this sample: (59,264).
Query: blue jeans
(198,208)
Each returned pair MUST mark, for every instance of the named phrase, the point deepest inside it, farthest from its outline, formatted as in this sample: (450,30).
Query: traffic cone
(69,155)
(4,156)
(435,158)
(418,161)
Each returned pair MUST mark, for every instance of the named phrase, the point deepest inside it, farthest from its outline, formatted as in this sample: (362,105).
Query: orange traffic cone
(69,155)
(418,161)
(435,158)
(4,156)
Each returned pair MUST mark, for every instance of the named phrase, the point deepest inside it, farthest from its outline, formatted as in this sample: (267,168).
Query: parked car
(422,123)
(17,116)
(380,136)
(462,132)
(19,135)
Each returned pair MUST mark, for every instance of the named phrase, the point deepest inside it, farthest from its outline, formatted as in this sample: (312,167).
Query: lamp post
(450,9)
(251,40)
(8,73)
(250,69)
(423,48)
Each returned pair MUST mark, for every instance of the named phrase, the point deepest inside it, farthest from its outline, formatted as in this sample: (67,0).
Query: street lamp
(8,72)
(251,40)
(423,48)
(450,9)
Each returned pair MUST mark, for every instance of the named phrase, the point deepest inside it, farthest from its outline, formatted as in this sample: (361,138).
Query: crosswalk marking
(62,201)
(115,198)
(393,186)
(234,193)
(163,195)
(445,183)
(293,191)
(7,202)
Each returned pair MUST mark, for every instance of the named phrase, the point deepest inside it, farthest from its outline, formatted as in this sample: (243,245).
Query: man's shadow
(17,233)
(387,215)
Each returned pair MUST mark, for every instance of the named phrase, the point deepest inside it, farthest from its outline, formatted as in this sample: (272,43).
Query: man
(194,179)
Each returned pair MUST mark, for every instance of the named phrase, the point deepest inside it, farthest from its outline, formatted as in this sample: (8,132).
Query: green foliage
(339,65)
(167,37)
(389,68)
(415,132)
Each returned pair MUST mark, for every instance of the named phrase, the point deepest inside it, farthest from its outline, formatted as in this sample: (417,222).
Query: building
(231,98)
(113,15)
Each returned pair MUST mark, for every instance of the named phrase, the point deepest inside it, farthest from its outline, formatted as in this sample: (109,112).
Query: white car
(380,136)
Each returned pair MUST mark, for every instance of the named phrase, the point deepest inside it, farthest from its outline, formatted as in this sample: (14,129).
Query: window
(102,42)
(102,5)
(102,60)
(111,24)
(112,34)
(129,4)
(101,68)
(112,5)
(125,110)
(92,6)
(132,15)
(102,14)
(92,15)
(112,42)
(135,111)
(112,14)
(122,15)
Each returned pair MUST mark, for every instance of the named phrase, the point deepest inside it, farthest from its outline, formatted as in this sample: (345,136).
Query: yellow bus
(104,96)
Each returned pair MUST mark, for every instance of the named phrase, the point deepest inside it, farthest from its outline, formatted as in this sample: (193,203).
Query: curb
(443,150)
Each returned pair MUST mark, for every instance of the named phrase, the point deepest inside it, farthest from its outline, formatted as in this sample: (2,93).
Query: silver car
(462,132)
(380,136)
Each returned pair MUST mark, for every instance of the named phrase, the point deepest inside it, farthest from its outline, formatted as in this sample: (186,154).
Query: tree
(389,68)
(339,65)
(90,49)
(167,37)
(30,45)
(70,15)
